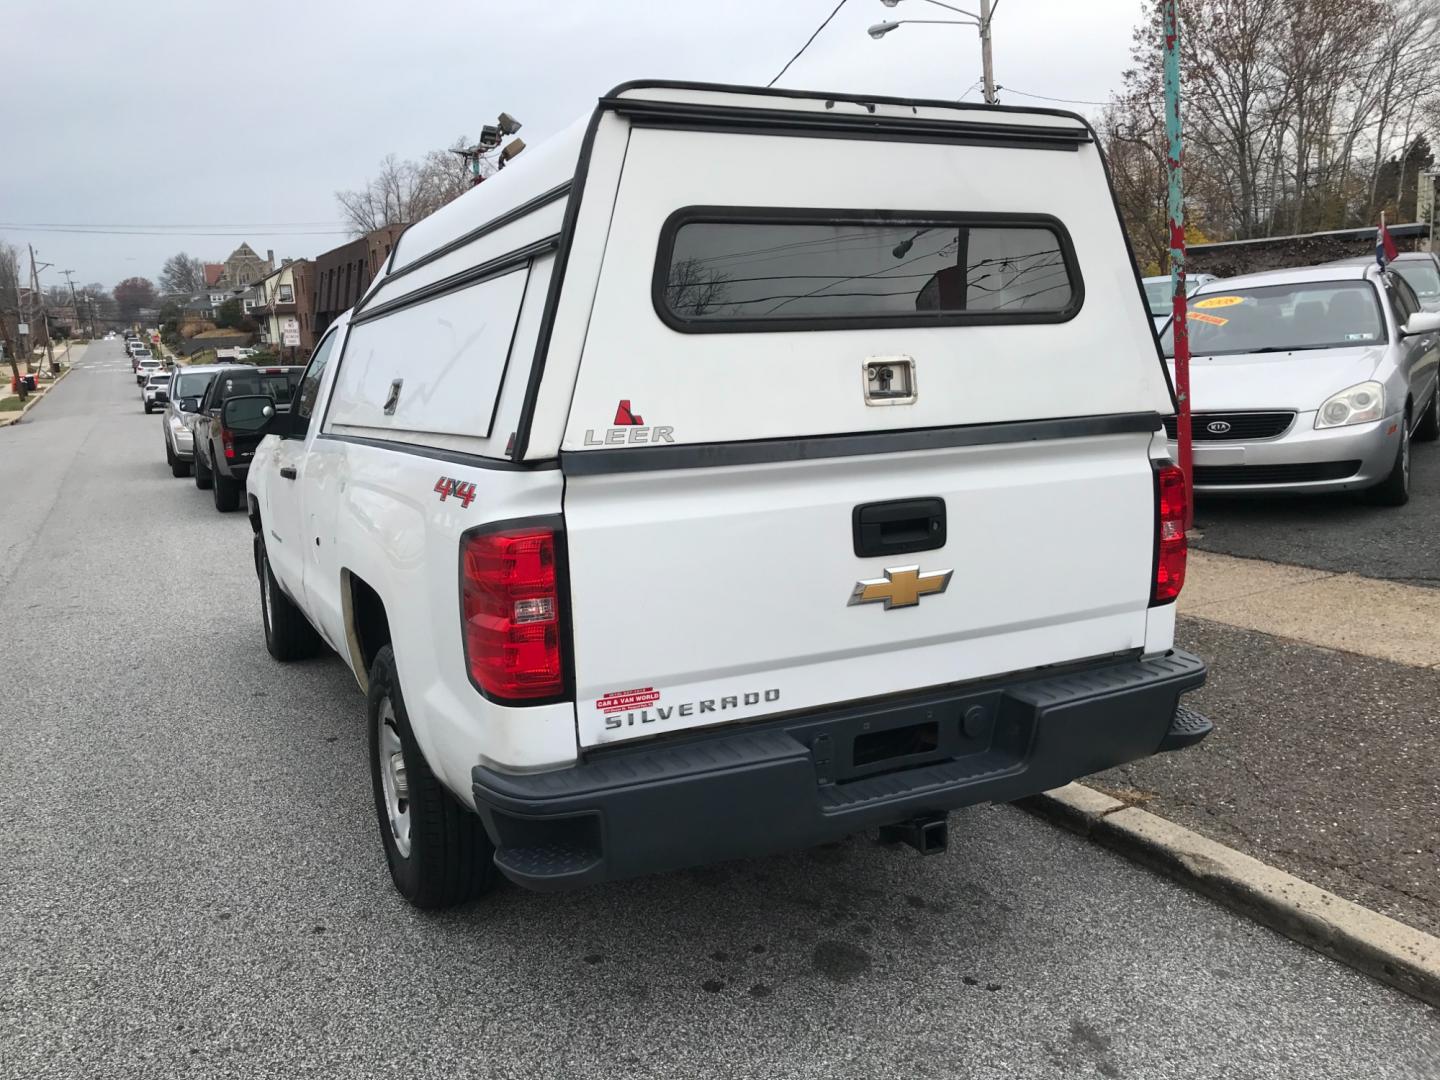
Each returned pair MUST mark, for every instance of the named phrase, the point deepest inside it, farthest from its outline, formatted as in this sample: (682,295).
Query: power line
(1046,97)
(151,232)
(165,225)
(808,40)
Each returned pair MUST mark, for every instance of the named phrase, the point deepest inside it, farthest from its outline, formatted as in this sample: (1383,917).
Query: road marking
(1348,612)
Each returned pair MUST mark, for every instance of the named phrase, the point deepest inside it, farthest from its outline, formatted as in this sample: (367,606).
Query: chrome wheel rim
(394,782)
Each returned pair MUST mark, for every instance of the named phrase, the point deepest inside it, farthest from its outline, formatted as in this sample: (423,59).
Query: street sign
(290,338)
(23,328)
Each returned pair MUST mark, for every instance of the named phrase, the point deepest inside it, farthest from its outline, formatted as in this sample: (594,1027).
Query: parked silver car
(187,387)
(1159,296)
(1420,269)
(1310,380)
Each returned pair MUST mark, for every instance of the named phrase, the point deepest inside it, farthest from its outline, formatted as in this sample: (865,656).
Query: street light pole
(980,21)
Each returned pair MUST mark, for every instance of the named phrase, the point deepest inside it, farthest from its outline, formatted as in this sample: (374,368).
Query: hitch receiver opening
(926,833)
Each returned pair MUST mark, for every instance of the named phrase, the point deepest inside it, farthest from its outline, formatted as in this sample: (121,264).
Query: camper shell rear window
(738,269)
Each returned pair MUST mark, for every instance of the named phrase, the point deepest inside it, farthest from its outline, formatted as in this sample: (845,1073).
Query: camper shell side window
(738,269)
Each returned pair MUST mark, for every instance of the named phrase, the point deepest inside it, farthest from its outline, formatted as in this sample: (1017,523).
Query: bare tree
(693,289)
(1299,115)
(406,191)
(9,302)
(132,294)
(182,273)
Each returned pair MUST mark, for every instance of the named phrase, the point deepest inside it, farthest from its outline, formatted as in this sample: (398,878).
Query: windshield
(277,385)
(1283,318)
(1157,294)
(159,380)
(193,384)
(1421,277)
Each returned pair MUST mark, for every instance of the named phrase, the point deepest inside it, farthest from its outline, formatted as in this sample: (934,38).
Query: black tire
(226,491)
(288,634)
(203,479)
(148,409)
(178,467)
(1429,427)
(1394,490)
(449,858)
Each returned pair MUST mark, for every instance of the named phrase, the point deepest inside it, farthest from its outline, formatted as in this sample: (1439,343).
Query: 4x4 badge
(902,586)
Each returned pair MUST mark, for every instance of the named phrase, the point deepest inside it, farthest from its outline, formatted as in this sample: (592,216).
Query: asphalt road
(1340,533)
(191,884)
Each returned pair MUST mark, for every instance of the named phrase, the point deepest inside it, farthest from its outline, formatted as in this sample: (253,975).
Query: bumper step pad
(1187,729)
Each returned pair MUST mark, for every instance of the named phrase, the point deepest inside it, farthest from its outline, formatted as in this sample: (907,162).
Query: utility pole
(73,302)
(1180,330)
(44,315)
(989,66)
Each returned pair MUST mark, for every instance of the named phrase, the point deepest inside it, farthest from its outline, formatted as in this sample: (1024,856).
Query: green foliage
(229,314)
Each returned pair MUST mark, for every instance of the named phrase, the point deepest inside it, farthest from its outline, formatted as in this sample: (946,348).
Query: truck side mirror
(249,413)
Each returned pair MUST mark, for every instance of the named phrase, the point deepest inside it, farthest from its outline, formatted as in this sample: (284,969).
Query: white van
(739,470)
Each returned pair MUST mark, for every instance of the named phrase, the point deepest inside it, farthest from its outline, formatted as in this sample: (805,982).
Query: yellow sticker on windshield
(1213,320)
(1218,301)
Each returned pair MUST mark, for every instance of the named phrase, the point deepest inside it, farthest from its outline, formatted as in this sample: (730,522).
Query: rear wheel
(203,479)
(436,848)
(288,634)
(1429,428)
(1394,490)
(226,490)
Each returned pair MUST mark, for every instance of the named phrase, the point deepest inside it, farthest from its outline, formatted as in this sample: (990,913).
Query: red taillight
(510,607)
(1169,534)
(227,443)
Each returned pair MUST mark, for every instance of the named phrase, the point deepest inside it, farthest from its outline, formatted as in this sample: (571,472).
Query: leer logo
(630,428)
(902,586)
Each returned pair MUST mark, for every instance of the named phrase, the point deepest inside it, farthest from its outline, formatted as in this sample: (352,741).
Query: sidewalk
(10,408)
(1325,761)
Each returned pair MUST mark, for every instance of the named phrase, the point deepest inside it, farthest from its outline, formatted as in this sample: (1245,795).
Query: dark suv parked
(222,456)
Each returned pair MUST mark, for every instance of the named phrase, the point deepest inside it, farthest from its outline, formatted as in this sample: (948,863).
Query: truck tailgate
(706,596)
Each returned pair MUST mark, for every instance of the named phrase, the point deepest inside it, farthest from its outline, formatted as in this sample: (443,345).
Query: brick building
(341,275)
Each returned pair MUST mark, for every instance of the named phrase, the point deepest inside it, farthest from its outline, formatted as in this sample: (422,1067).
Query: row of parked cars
(1311,379)
(198,442)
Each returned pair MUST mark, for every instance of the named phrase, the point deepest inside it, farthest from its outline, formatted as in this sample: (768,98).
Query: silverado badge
(902,586)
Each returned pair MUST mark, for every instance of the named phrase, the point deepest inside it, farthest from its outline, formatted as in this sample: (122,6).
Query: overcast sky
(144,113)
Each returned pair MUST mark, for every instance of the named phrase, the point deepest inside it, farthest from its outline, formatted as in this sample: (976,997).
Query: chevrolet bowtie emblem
(902,586)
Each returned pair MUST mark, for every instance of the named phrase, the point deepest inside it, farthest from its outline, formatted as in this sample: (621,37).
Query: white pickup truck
(739,470)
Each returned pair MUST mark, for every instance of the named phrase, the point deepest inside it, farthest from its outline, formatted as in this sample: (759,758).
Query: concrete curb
(1390,951)
(15,418)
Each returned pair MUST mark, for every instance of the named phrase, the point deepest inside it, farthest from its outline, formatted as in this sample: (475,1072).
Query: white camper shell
(739,469)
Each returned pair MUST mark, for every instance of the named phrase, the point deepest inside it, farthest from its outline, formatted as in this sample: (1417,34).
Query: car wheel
(1394,490)
(203,479)
(148,409)
(288,634)
(226,492)
(437,850)
(1429,428)
(177,467)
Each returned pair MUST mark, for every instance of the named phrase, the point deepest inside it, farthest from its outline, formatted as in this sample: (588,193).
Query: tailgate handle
(899,526)
(287,472)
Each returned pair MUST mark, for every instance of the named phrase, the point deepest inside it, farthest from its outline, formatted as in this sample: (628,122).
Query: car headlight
(1360,404)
